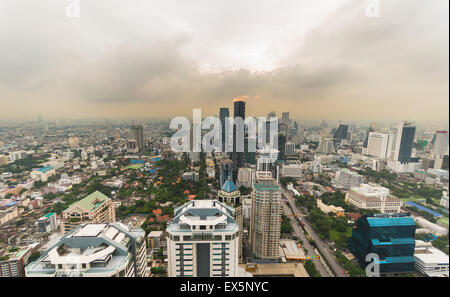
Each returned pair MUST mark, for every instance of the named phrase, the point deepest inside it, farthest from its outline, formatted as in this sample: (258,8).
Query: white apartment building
(94,250)
(203,241)
(265,223)
(379,145)
(372,196)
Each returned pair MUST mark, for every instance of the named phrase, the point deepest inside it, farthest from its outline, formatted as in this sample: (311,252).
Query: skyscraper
(341,132)
(285,118)
(379,145)
(137,133)
(203,240)
(405,140)
(440,143)
(223,114)
(265,224)
(238,157)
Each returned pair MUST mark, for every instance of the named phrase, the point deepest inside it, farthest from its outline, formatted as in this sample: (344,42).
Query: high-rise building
(223,114)
(94,208)
(137,133)
(265,160)
(98,250)
(379,145)
(203,240)
(326,146)
(238,157)
(265,223)
(405,140)
(440,145)
(13,263)
(290,149)
(341,132)
(391,237)
(226,170)
(47,223)
(285,118)
(230,195)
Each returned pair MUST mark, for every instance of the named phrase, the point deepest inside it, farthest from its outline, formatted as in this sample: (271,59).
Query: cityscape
(230,180)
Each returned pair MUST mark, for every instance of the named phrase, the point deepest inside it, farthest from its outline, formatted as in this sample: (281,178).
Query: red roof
(157,211)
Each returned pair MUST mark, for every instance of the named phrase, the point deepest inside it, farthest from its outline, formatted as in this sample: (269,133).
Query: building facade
(95,208)
(390,237)
(203,240)
(265,223)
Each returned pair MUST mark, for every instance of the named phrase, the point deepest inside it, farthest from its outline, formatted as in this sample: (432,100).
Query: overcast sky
(148,58)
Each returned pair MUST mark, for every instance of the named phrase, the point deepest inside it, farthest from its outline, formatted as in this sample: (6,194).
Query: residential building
(246,177)
(94,208)
(14,263)
(203,240)
(47,223)
(94,250)
(440,144)
(265,223)
(137,133)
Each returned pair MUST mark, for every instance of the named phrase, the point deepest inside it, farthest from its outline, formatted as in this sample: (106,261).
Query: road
(299,233)
(322,246)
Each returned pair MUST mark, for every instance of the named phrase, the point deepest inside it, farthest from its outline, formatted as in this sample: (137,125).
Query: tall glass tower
(238,157)
(390,236)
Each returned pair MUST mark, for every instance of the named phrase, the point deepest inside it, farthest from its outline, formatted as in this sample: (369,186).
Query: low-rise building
(430,261)
(371,196)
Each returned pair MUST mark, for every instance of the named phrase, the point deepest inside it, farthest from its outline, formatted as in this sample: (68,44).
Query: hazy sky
(148,58)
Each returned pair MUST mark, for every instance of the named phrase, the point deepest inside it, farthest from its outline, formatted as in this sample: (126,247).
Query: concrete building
(156,240)
(14,263)
(230,195)
(246,177)
(371,196)
(291,170)
(43,173)
(430,261)
(94,250)
(47,223)
(265,223)
(347,179)
(326,146)
(431,227)
(440,145)
(94,208)
(203,240)
(379,145)
(137,133)
(444,200)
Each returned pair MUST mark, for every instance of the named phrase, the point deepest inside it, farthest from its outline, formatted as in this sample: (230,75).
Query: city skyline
(316,60)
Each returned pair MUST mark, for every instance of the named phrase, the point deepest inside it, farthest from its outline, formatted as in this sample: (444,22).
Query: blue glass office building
(391,237)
